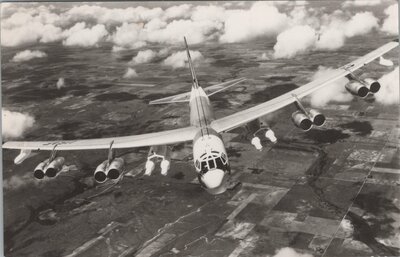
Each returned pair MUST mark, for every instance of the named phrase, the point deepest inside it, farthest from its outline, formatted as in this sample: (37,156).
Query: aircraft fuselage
(209,153)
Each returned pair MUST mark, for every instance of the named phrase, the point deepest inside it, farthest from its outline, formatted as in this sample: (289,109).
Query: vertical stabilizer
(195,83)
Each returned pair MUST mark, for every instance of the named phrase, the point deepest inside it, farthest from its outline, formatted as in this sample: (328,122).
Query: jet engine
(301,120)
(358,89)
(115,168)
(54,167)
(100,173)
(373,85)
(317,118)
(39,170)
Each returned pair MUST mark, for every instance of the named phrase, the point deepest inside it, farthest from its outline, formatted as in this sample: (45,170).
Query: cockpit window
(220,164)
(211,164)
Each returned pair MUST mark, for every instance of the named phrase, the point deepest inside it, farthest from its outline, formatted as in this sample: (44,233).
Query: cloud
(173,33)
(15,124)
(330,39)
(29,25)
(391,23)
(350,3)
(389,92)
(16,182)
(293,41)
(30,33)
(335,91)
(130,73)
(179,11)
(111,16)
(28,55)
(128,36)
(290,252)
(144,56)
(262,19)
(360,23)
(60,83)
(79,35)
(178,59)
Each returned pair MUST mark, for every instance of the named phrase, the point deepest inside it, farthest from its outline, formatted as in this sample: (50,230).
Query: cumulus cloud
(391,23)
(293,41)
(179,11)
(260,20)
(60,83)
(389,92)
(331,34)
(128,36)
(360,23)
(290,252)
(29,25)
(16,182)
(144,56)
(15,124)
(335,91)
(178,59)
(130,73)
(80,35)
(111,16)
(30,33)
(28,55)
(350,3)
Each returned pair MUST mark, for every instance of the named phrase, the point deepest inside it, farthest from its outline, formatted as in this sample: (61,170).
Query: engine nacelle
(100,173)
(317,118)
(39,170)
(54,167)
(150,165)
(358,89)
(115,168)
(165,165)
(301,120)
(373,85)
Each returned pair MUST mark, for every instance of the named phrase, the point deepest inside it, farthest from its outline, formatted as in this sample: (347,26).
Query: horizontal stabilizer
(211,90)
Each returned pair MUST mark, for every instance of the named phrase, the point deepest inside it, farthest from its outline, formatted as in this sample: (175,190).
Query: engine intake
(100,173)
(115,168)
(358,89)
(373,85)
(54,167)
(39,170)
(317,118)
(302,121)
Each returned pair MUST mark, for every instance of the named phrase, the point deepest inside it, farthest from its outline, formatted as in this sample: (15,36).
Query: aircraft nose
(213,178)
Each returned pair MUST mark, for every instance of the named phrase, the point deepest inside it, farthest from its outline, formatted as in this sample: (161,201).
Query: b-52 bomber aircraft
(209,154)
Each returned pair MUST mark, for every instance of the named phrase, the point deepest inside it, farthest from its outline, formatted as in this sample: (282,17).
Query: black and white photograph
(200,128)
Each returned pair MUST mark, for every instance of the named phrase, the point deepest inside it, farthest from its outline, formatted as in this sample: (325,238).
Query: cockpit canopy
(209,161)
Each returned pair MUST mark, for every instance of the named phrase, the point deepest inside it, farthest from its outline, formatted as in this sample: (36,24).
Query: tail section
(211,90)
(195,83)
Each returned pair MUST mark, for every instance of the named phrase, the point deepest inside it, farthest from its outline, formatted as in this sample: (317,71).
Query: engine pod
(302,121)
(115,168)
(358,89)
(100,172)
(317,118)
(54,167)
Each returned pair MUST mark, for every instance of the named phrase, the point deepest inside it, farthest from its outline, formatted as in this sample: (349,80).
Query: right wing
(158,138)
(211,90)
(237,119)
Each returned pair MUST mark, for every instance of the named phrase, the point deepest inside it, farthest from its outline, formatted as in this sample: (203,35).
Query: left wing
(235,120)
(150,139)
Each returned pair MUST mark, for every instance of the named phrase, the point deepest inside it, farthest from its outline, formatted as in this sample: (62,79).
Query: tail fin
(195,82)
